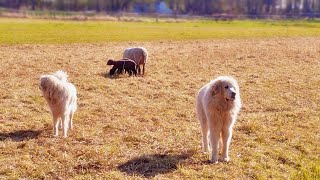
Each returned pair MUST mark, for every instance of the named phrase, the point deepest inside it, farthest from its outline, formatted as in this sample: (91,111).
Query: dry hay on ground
(146,126)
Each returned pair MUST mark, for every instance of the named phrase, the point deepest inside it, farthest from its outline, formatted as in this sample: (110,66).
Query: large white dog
(218,104)
(61,96)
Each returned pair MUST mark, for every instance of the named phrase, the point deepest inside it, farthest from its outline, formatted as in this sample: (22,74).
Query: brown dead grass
(145,127)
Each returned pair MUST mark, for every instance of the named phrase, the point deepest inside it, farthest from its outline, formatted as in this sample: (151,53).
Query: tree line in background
(190,7)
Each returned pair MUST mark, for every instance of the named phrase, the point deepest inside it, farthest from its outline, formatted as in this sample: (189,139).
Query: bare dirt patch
(149,122)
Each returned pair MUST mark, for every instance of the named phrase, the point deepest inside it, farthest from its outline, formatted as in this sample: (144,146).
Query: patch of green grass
(31,31)
(311,172)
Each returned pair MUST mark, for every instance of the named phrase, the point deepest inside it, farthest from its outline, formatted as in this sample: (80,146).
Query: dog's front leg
(226,138)
(214,142)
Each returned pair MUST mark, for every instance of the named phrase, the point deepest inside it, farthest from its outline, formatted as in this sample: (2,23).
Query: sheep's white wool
(139,55)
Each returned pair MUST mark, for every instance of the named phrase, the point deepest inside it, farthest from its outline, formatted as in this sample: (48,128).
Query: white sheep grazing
(139,55)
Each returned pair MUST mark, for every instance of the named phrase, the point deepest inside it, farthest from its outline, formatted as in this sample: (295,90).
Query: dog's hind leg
(55,126)
(65,122)
(203,126)
(70,120)
(204,130)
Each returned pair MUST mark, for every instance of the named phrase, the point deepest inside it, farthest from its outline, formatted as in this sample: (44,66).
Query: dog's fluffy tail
(61,75)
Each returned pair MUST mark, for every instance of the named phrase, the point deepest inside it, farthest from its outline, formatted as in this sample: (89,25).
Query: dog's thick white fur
(61,96)
(218,104)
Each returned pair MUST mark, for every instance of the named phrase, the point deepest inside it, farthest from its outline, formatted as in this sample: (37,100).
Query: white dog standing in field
(218,104)
(61,96)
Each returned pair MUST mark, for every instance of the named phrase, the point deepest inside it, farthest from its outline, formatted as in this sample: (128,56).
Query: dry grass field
(146,127)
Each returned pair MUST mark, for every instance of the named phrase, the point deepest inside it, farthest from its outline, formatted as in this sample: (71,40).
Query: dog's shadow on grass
(20,135)
(151,165)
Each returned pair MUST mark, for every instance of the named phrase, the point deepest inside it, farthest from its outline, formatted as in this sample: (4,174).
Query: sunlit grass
(308,173)
(30,31)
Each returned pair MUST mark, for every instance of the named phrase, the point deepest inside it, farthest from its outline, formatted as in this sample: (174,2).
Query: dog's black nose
(233,95)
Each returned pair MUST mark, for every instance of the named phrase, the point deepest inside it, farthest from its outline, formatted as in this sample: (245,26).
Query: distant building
(158,7)
(162,8)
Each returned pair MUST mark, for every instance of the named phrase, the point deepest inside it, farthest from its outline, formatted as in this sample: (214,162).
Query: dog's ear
(216,88)
(43,83)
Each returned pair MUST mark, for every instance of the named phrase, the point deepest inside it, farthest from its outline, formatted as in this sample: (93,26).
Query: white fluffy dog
(218,104)
(61,96)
